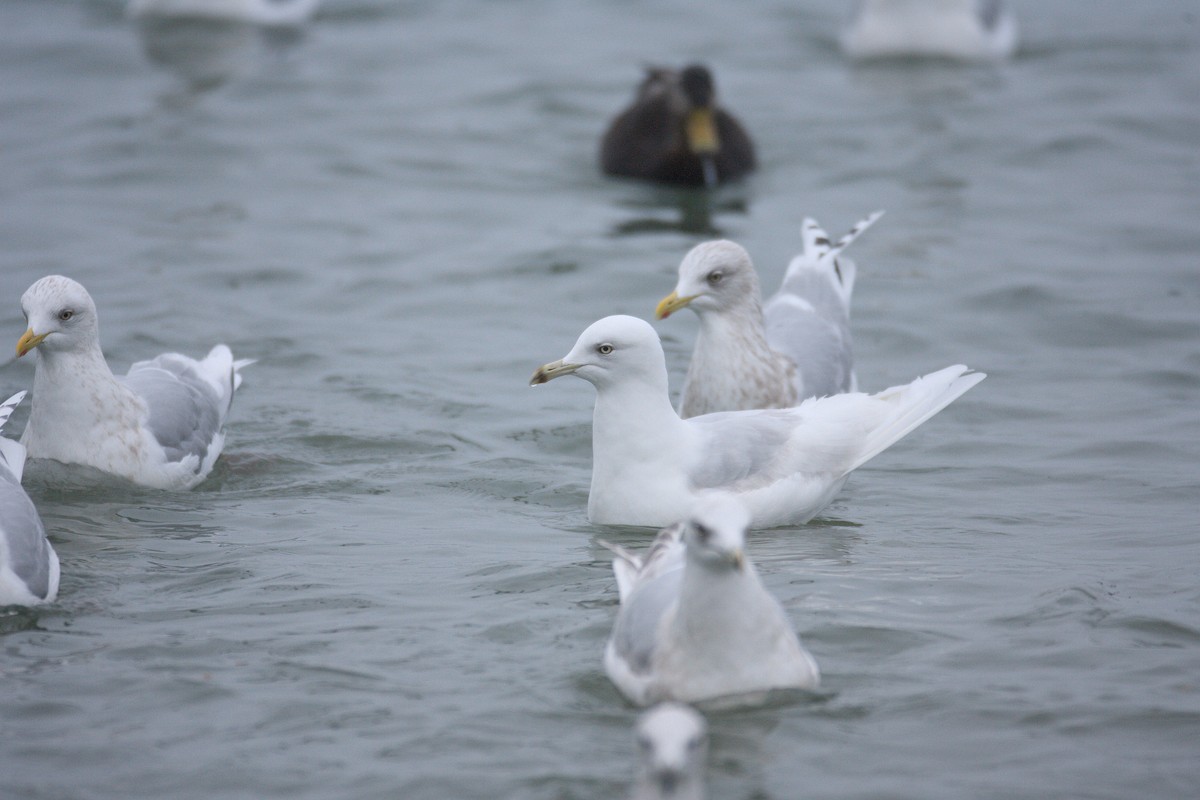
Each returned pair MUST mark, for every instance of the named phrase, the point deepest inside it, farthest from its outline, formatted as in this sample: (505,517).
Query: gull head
(60,314)
(713,277)
(715,532)
(613,349)
(673,747)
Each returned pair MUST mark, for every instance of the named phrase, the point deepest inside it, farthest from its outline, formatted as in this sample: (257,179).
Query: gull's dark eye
(604,349)
(715,276)
(66,314)
(695,742)
(645,743)
(702,532)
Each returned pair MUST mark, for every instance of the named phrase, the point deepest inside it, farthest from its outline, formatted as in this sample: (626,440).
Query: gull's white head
(673,747)
(60,314)
(715,532)
(713,276)
(612,349)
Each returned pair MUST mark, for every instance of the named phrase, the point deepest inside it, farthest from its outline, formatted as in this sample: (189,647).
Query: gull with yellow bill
(159,425)
(748,355)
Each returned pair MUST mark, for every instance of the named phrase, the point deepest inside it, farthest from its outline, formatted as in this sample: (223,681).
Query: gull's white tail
(820,253)
(626,567)
(12,451)
(6,408)
(913,404)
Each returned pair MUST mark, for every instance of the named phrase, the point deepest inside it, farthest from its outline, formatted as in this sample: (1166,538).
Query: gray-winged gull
(672,741)
(160,425)
(649,465)
(966,30)
(748,355)
(695,624)
(29,567)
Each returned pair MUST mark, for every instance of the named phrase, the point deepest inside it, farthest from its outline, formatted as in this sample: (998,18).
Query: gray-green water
(389,587)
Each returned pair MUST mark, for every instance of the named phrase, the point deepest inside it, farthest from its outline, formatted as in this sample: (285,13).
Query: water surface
(389,587)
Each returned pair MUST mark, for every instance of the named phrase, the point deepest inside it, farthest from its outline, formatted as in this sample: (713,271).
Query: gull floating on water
(966,30)
(748,356)
(672,743)
(675,132)
(29,568)
(160,425)
(695,623)
(281,13)
(649,465)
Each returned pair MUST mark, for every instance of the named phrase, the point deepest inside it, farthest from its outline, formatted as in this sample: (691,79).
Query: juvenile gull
(160,425)
(695,624)
(965,30)
(28,564)
(672,741)
(649,465)
(748,356)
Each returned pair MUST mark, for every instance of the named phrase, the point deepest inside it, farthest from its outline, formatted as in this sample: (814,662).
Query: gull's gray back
(740,447)
(185,411)
(24,536)
(817,339)
(636,630)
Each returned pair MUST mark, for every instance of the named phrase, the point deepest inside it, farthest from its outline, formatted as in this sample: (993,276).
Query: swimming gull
(29,568)
(268,13)
(672,741)
(160,425)
(965,30)
(748,356)
(695,624)
(648,464)
(675,132)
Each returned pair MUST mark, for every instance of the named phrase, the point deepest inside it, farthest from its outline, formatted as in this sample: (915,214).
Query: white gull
(695,623)
(672,741)
(268,13)
(649,465)
(964,30)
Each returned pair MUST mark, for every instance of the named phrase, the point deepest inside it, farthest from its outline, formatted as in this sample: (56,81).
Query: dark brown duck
(676,133)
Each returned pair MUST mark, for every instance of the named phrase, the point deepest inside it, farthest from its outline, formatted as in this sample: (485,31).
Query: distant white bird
(160,425)
(254,12)
(746,356)
(672,750)
(695,623)
(29,567)
(966,30)
(649,466)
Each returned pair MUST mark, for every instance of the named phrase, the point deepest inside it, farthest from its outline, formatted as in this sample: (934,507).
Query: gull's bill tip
(548,372)
(670,304)
(28,341)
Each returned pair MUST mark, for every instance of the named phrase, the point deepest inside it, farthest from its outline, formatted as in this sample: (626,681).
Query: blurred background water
(389,587)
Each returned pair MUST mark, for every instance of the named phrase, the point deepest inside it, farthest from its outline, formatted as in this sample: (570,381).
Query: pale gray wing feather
(806,320)
(635,634)
(741,448)
(28,550)
(185,411)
